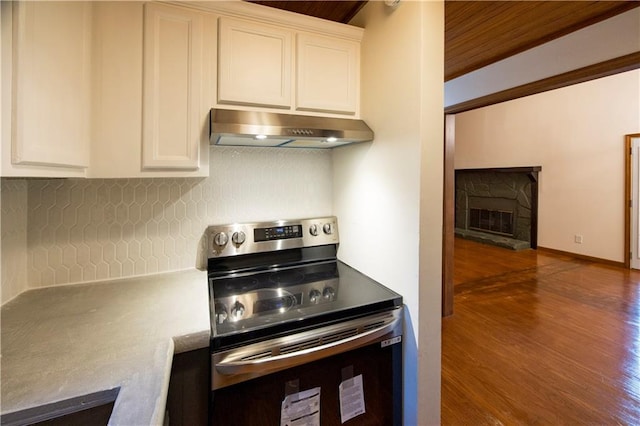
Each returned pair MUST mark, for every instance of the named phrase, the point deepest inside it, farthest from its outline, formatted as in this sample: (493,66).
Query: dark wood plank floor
(540,339)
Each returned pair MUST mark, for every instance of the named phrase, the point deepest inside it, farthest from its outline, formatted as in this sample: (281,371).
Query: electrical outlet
(578,239)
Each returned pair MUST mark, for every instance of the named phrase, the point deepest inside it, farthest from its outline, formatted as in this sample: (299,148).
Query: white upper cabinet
(254,64)
(284,68)
(47,87)
(123,89)
(152,90)
(328,74)
(173,45)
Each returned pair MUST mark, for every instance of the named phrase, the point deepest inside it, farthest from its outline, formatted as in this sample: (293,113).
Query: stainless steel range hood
(255,128)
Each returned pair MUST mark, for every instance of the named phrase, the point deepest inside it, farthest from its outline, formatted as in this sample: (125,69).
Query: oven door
(249,383)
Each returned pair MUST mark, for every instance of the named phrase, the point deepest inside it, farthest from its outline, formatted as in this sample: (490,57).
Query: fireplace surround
(498,206)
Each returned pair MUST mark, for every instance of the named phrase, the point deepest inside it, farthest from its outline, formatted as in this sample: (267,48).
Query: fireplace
(498,206)
(494,215)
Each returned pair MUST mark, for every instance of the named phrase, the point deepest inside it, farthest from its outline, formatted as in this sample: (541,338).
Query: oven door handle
(231,366)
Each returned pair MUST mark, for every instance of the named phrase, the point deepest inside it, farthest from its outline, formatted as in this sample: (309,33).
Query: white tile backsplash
(92,229)
(13,208)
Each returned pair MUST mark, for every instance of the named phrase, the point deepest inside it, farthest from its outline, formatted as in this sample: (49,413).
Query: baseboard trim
(583,257)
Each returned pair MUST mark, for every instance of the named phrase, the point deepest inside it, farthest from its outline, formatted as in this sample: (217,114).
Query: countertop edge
(161,404)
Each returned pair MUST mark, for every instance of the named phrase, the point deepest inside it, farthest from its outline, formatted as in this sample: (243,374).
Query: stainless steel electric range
(285,310)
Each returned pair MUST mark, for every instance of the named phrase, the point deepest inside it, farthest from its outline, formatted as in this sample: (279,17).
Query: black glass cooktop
(275,278)
(253,306)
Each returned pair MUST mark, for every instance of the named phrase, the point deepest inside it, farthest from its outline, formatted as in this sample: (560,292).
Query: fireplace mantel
(504,169)
(532,171)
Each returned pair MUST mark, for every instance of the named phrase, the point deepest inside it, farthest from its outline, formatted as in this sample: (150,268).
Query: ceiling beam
(602,69)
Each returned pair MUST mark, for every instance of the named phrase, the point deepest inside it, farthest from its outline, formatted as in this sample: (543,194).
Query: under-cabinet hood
(259,128)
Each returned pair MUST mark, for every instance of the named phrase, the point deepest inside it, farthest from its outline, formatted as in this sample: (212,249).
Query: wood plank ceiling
(337,11)
(479,33)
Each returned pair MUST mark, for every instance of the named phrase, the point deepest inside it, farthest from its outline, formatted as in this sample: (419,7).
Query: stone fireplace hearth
(498,206)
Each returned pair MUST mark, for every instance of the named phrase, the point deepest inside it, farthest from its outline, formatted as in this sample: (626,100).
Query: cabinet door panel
(52,88)
(173,40)
(327,74)
(254,65)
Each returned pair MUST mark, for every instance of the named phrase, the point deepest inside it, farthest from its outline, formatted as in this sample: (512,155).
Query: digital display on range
(277,233)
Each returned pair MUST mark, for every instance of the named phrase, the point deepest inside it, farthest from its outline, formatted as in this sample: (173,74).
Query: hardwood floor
(540,339)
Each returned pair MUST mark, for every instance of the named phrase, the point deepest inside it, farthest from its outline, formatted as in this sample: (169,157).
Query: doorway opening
(632,201)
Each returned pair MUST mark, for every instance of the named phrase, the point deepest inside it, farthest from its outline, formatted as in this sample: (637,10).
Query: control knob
(238,238)
(237,311)
(314,296)
(313,230)
(328,293)
(221,239)
(327,228)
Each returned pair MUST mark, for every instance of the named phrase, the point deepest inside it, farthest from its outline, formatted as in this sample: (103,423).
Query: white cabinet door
(254,64)
(173,43)
(51,84)
(117,106)
(327,74)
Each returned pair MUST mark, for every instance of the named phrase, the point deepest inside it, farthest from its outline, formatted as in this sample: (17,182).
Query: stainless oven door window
(248,362)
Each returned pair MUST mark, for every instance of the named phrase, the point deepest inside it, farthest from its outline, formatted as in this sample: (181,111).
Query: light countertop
(67,341)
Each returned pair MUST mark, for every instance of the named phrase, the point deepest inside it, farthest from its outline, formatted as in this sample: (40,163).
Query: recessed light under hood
(259,128)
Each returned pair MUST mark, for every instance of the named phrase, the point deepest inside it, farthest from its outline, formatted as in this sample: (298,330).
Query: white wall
(378,186)
(577,135)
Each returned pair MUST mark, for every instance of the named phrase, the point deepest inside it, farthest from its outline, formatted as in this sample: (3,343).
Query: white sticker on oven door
(301,409)
(351,398)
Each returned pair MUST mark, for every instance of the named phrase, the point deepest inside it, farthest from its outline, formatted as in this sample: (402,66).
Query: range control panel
(277,233)
(245,238)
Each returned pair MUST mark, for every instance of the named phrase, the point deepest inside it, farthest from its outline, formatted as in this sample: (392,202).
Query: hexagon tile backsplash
(14,238)
(84,230)
(81,230)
